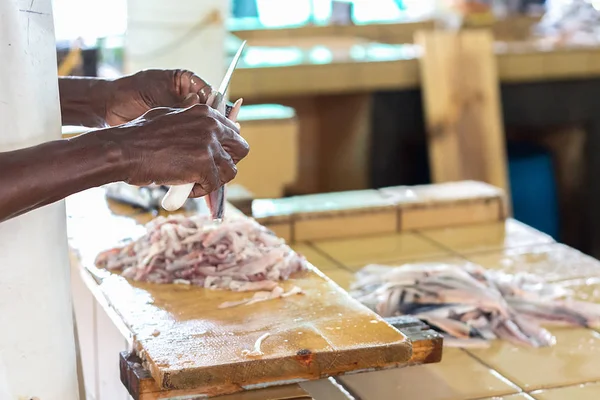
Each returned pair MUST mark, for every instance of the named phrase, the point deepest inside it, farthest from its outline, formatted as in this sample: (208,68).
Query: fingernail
(235,110)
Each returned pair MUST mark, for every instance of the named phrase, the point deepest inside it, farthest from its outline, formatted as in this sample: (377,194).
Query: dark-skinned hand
(129,97)
(168,146)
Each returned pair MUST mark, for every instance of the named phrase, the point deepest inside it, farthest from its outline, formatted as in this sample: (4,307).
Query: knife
(177,195)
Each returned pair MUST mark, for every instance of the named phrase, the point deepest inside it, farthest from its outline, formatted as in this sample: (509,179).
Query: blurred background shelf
(355,89)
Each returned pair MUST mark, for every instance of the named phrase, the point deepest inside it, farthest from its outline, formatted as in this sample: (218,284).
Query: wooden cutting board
(426,348)
(187,342)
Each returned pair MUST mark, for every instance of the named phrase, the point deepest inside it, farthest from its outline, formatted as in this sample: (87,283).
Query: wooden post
(462,107)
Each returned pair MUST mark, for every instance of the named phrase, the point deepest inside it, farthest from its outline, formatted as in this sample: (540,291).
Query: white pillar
(166,34)
(37,350)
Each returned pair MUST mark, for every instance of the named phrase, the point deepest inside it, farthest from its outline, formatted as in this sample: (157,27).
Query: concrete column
(37,348)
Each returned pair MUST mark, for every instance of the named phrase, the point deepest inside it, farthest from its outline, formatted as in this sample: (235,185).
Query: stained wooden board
(321,333)
(141,386)
(426,344)
(462,107)
(188,342)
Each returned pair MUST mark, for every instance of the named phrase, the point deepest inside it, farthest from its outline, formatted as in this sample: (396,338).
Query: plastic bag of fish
(471,305)
(237,254)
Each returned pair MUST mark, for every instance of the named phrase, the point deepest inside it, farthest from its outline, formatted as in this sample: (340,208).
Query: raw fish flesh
(237,254)
(473,305)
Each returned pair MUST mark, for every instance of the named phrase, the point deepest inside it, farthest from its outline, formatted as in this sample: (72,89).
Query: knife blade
(178,194)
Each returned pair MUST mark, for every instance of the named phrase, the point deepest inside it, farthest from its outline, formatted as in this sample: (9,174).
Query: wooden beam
(462,107)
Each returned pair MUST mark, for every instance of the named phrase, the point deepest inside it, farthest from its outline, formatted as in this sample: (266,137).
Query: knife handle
(178,195)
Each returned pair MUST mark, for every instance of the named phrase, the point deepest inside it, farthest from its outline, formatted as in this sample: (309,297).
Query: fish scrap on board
(471,305)
(238,255)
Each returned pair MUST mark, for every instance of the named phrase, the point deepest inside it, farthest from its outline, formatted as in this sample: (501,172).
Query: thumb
(189,101)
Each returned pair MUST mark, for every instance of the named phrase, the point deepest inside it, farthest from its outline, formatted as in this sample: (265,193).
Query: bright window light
(90,19)
(278,13)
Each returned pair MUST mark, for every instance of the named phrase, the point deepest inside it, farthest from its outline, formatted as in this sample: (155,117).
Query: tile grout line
(437,244)
(563,386)
(474,357)
(330,258)
(527,396)
(500,249)
(480,252)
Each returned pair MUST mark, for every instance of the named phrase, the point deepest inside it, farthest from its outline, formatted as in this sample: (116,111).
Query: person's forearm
(83,101)
(40,175)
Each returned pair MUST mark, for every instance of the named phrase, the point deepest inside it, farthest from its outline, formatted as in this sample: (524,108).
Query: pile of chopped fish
(472,305)
(237,254)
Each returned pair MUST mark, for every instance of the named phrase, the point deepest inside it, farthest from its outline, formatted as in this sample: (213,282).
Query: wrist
(104,153)
(83,101)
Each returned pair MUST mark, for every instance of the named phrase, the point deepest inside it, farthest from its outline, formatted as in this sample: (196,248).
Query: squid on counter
(472,305)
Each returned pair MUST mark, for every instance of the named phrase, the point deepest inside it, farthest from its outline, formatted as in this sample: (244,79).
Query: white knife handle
(177,196)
